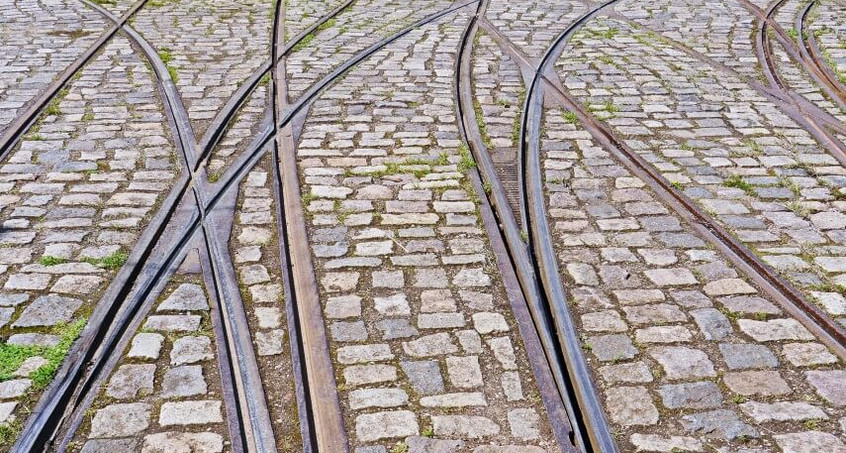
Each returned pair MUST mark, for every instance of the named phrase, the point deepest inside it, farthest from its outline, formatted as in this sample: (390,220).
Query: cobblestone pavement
(165,394)
(828,26)
(754,170)
(403,262)
(38,40)
(210,47)
(344,280)
(357,27)
(75,193)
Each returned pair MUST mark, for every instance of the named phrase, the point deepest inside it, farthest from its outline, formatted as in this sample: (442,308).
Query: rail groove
(27,118)
(812,317)
(596,428)
(812,54)
(111,321)
(518,269)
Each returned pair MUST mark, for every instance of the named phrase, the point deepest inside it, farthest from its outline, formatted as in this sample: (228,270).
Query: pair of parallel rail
(530,270)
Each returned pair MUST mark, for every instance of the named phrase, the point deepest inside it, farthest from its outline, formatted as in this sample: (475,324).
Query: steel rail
(766,21)
(783,100)
(764,52)
(244,368)
(133,293)
(25,120)
(811,52)
(257,430)
(812,317)
(593,418)
(527,289)
(321,428)
(221,121)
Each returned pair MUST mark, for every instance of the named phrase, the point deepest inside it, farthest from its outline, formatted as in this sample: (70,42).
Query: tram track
(558,339)
(763,42)
(810,51)
(539,253)
(280,50)
(113,320)
(322,429)
(774,285)
(189,218)
(242,369)
(27,118)
(764,51)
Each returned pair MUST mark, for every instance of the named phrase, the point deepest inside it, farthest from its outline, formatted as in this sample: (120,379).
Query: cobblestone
(164,393)
(436,304)
(39,40)
(101,141)
(353,30)
(681,318)
(211,47)
(729,162)
(686,351)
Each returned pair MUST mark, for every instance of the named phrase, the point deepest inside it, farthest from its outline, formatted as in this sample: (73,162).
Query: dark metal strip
(513,261)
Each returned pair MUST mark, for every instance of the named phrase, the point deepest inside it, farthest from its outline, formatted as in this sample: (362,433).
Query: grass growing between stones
(166,57)
(467,163)
(307,39)
(480,122)
(53,107)
(737,182)
(517,123)
(113,261)
(9,432)
(48,260)
(12,356)
(570,117)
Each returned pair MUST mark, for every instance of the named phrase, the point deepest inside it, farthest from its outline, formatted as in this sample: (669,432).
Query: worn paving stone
(182,442)
(131,381)
(407,278)
(48,311)
(121,420)
(381,425)
(783,411)
(829,385)
(631,406)
(765,383)
(191,349)
(109,445)
(611,347)
(146,345)
(468,426)
(741,356)
(683,363)
(809,441)
(183,381)
(720,424)
(187,296)
(190,413)
(697,395)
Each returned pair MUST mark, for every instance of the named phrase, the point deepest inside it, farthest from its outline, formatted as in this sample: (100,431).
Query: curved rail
(765,22)
(764,51)
(256,426)
(254,429)
(805,110)
(117,317)
(812,317)
(220,122)
(15,131)
(593,416)
(811,52)
(321,425)
(530,294)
